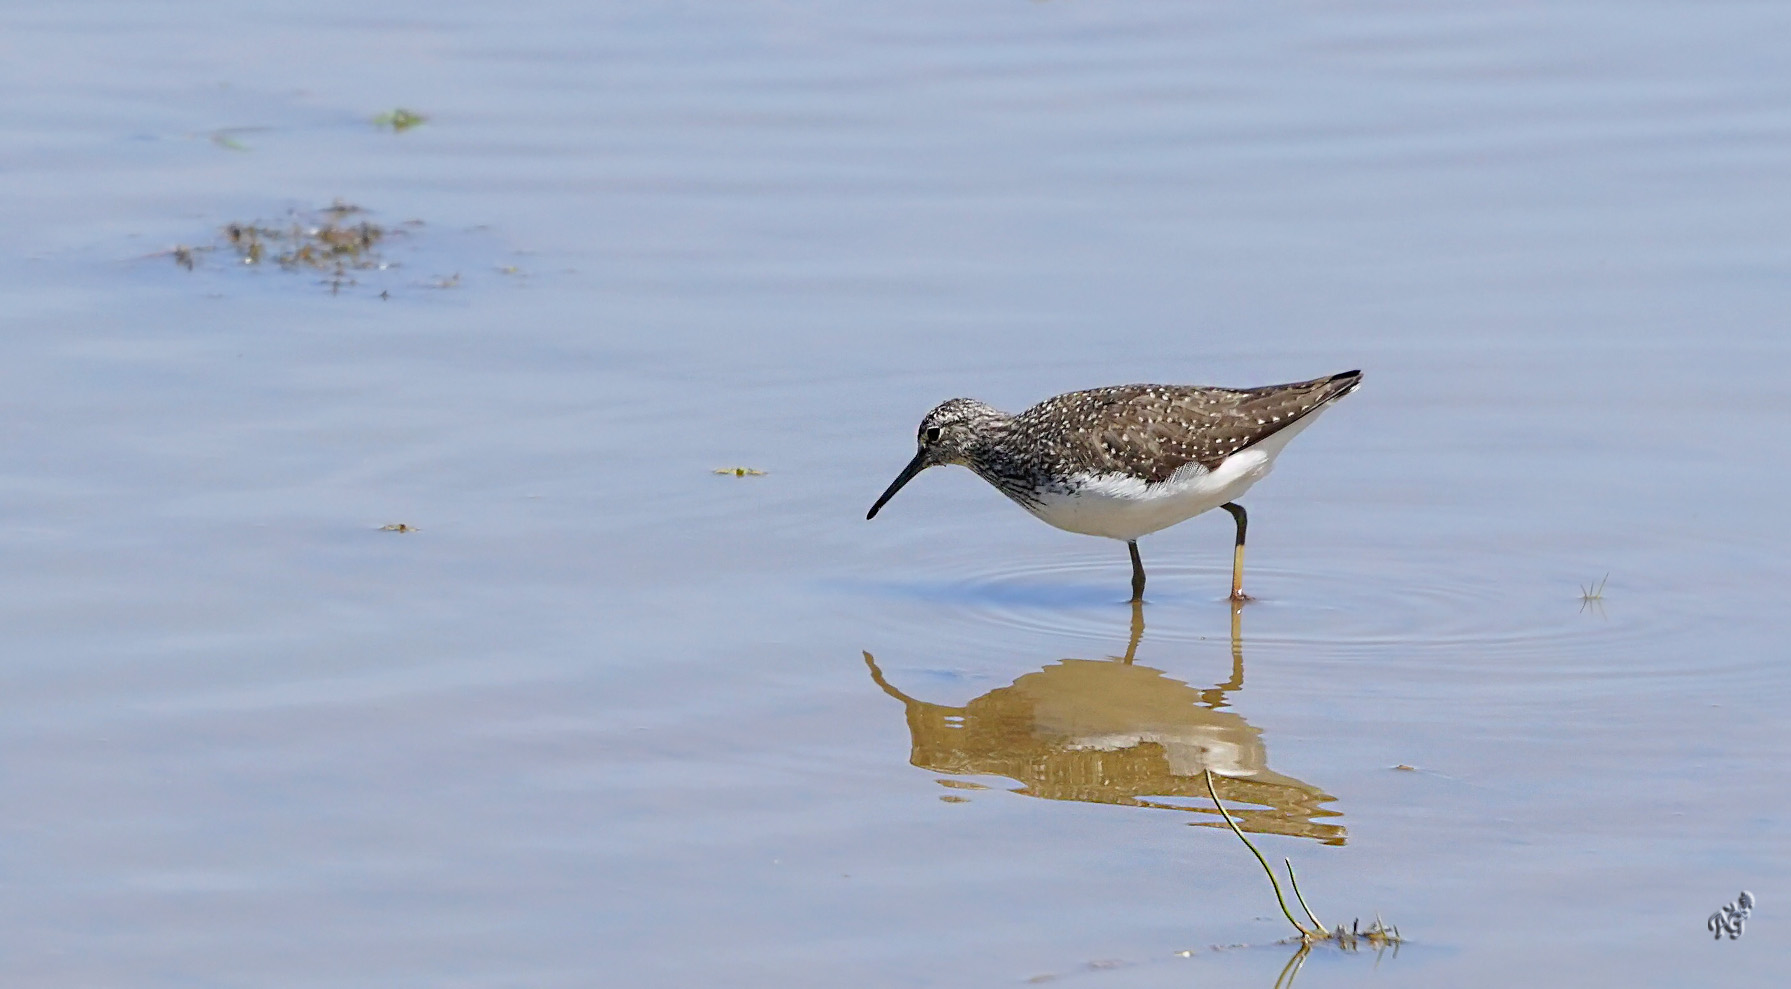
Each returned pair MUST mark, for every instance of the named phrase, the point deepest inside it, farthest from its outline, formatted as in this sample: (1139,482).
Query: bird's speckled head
(946,433)
(945,436)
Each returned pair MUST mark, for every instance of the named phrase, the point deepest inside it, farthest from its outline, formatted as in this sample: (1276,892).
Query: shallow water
(609,717)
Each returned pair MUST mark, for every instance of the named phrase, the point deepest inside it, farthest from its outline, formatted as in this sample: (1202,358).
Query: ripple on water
(1408,618)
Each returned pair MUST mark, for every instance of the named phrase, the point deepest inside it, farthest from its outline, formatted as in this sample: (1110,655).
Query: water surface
(608,717)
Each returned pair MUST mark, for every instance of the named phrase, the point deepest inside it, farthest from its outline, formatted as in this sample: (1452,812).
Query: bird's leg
(1237,553)
(1137,572)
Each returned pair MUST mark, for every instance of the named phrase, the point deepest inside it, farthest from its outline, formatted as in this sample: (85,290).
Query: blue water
(605,716)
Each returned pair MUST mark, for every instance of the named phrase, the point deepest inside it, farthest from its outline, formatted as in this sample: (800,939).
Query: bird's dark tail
(1342,384)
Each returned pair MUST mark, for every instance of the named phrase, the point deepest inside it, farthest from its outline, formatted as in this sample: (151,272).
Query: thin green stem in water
(1285,912)
(1293,881)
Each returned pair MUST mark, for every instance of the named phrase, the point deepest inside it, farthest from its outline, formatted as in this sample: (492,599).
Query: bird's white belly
(1120,506)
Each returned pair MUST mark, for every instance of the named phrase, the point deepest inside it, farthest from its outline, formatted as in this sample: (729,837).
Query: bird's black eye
(930,434)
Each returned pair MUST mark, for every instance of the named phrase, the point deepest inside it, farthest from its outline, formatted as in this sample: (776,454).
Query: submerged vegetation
(327,240)
(337,242)
(341,246)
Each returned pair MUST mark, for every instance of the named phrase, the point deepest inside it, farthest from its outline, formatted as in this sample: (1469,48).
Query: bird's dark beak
(915,466)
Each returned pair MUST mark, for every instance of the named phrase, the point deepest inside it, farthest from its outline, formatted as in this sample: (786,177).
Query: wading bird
(1126,461)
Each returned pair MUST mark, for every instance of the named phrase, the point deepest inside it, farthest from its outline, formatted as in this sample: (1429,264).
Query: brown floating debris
(324,241)
(340,247)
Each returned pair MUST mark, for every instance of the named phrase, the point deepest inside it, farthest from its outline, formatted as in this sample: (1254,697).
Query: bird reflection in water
(1114,732)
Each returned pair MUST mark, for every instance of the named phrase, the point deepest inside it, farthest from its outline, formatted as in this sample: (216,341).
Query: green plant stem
(1285,912)
(1293,881)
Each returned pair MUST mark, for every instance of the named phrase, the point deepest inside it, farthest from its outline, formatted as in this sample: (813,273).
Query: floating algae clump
(400,120)
(327,240)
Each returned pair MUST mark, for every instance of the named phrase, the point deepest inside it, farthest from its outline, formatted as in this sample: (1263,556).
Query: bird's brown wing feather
(1151,431)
